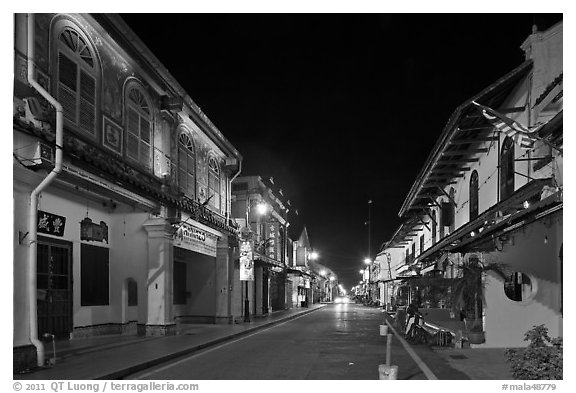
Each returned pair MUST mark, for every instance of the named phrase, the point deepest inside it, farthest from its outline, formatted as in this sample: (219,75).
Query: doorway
(54,287)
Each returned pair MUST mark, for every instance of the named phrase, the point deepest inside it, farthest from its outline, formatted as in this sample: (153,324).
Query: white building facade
(133,233)
(483,197)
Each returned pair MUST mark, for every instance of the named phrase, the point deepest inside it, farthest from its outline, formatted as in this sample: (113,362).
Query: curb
(162,359)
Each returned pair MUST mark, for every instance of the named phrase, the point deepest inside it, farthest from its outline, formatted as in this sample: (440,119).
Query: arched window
(473,195)
(77,77)
(138,117)
(507,169)
(186,165)
(214,182)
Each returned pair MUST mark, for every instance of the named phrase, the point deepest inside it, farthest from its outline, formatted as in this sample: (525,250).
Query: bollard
(387,372)
(383,330)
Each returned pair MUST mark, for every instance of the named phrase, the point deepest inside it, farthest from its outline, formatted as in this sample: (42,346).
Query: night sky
(338,108)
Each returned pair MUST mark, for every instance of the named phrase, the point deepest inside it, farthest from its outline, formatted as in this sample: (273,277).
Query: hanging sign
(50,224)
(91,231)
(246,261)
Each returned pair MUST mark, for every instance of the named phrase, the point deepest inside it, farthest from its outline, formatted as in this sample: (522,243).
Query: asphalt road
(340,341)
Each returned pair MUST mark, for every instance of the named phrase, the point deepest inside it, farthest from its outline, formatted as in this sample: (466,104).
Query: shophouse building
(300,274)
(121,189)
(261,208)
(490,194)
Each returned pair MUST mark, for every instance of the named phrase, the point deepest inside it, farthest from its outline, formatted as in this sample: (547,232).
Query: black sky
(338,108)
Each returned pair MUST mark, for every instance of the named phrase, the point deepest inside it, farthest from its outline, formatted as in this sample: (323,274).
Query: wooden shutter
(145,142)
(133,131)
(87,119)
(447,216)
(94,276)
(179,283)
(67,86)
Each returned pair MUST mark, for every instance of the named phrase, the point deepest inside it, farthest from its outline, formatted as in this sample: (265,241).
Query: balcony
(208,217)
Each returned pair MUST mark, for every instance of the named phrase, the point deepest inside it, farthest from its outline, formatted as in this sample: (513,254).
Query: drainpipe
(33,214)
(231,265)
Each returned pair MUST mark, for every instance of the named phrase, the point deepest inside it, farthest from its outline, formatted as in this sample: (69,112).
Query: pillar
(159,318)
(223,282)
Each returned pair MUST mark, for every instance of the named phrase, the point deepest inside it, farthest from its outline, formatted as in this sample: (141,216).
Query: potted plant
(476,334)
(468,292)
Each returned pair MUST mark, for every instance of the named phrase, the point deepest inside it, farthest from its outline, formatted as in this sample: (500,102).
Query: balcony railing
(208,217)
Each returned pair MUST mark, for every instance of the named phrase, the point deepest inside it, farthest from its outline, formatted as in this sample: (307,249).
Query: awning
(429,269)
(468,128)
(299,272)
(263,260)
(497,216)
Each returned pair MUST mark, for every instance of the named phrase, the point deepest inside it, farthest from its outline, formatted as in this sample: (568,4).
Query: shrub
(541,359)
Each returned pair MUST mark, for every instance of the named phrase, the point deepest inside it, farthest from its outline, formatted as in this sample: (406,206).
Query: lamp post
(332,278)
(324,286)
(261,209)
(368,269)
(368,259)
(369,229)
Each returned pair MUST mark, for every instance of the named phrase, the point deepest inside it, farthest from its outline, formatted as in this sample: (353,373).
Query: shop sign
(272,241)
(91,231)
(50,224)
(194,239)
(246,261)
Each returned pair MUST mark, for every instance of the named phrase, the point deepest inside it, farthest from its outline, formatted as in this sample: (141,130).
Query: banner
(246,261)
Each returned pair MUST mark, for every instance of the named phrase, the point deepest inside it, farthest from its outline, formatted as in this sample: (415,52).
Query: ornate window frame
(77,75)
(138,124)
(187,172)
(214,178)
(474,195)
(507,154)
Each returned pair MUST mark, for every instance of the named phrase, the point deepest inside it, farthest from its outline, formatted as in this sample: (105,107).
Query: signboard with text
(194,239)
(246,261)
(51,224)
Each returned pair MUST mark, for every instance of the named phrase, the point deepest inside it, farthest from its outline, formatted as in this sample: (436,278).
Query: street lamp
(313,255)
(261,210)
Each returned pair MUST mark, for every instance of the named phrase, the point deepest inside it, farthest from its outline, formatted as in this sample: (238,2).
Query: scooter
(419,331)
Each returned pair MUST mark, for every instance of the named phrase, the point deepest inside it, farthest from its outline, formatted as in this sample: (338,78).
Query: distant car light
(341,299)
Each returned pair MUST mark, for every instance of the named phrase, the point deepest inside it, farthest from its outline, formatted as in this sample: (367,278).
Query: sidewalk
(478,363)
(475,363)
(114,357)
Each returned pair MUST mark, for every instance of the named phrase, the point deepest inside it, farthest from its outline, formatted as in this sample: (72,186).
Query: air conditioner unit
(37,155)
(35,114)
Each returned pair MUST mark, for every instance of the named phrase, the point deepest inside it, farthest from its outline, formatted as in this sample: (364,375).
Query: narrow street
(340,341)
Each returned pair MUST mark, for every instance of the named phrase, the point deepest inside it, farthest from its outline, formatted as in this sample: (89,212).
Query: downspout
(231,265)
(33,213)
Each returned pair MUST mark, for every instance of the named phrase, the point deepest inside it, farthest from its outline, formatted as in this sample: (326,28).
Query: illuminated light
(362,271)
(332,278)
(472,233)
(323,273)
(314,255)
(526,204)
(262,208)
(367,261)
